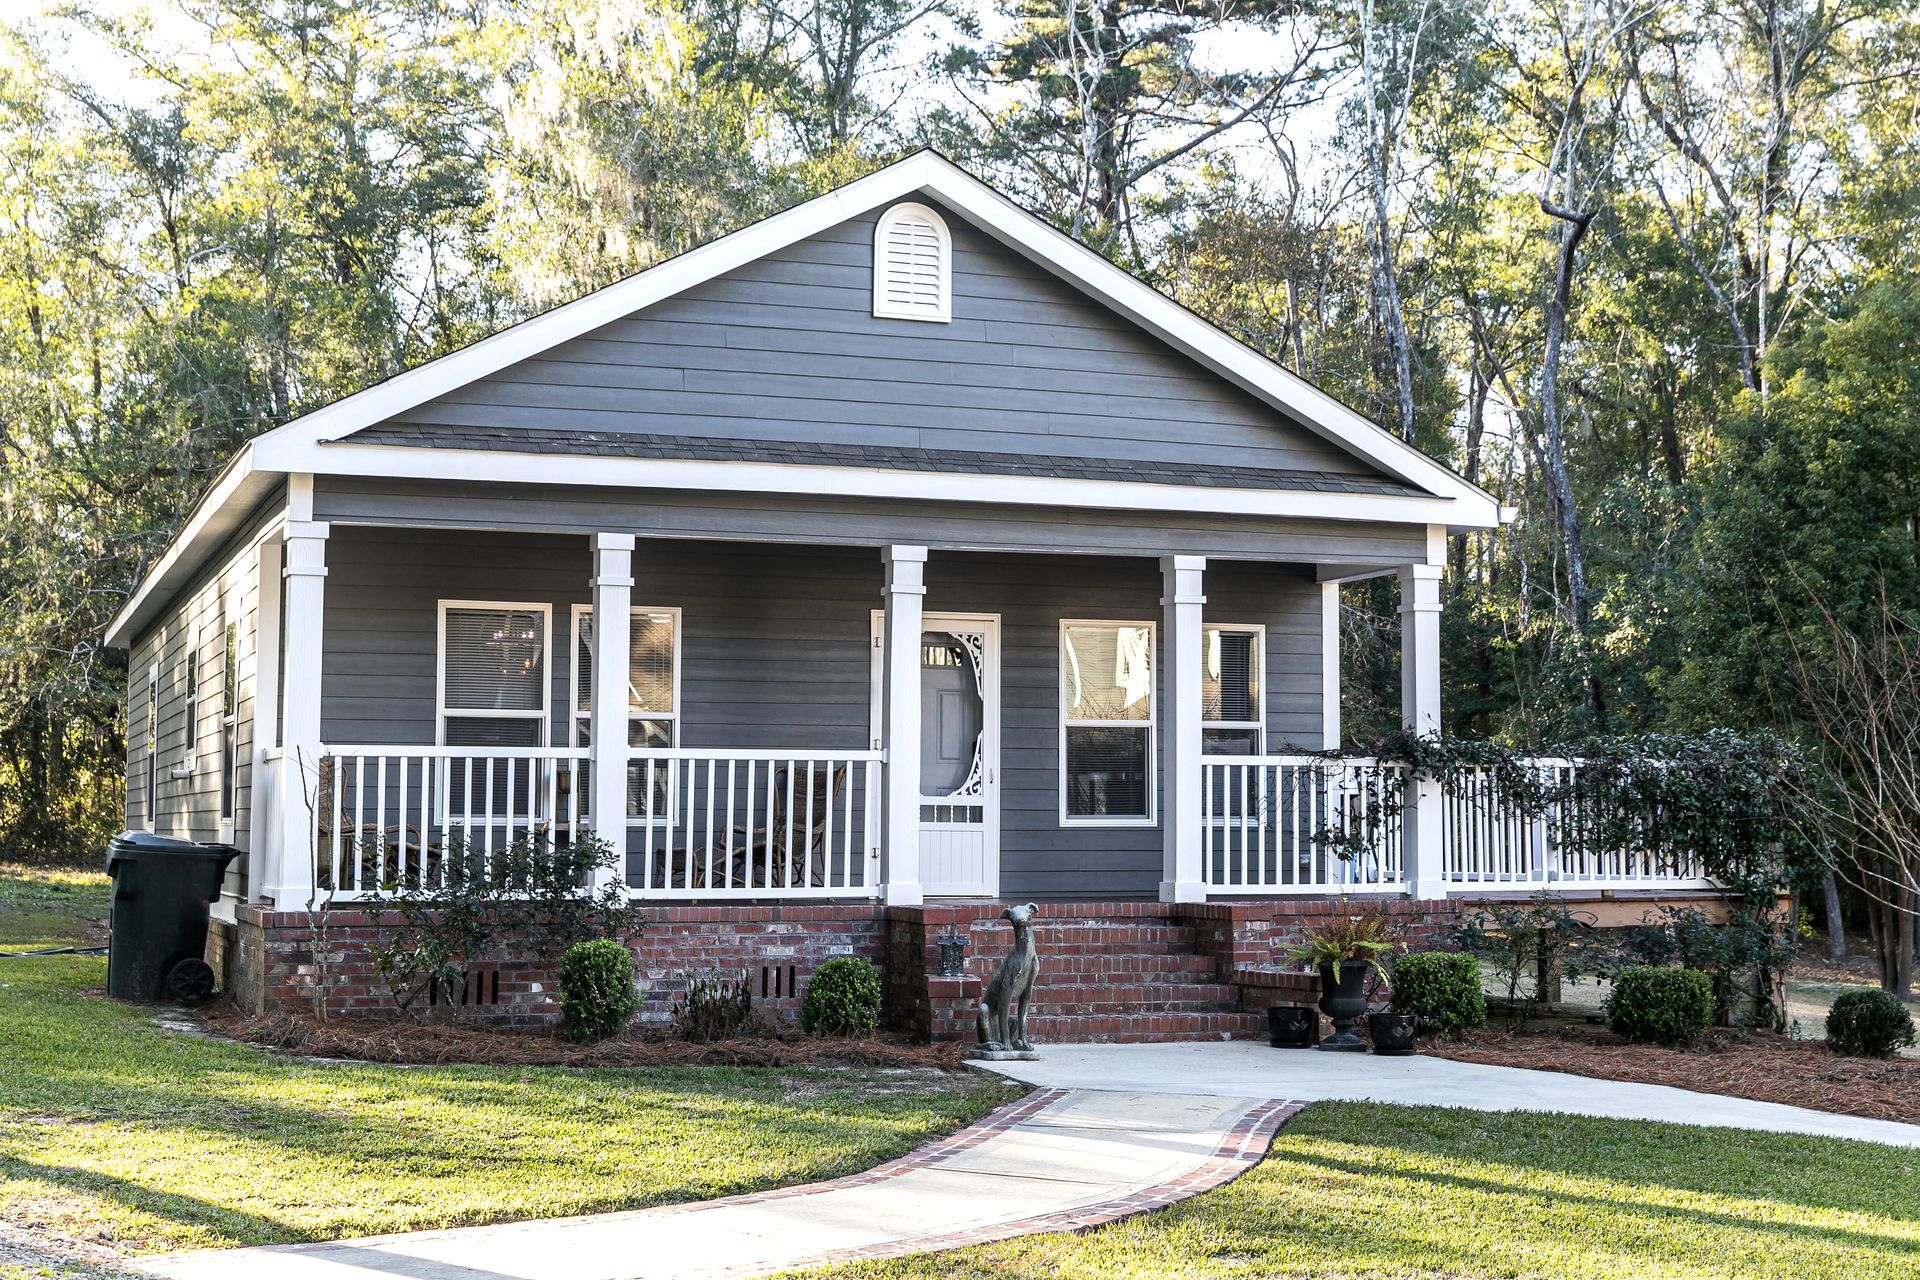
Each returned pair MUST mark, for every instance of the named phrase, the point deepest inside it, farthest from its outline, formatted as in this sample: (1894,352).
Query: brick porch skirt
(1110,969)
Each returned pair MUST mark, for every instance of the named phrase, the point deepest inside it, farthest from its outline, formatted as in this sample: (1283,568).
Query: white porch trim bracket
(1420,715)
(904,597)
(1180,825)
(612,637)
(302,620)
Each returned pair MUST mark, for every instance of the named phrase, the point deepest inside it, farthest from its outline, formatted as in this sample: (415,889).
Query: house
(956,566)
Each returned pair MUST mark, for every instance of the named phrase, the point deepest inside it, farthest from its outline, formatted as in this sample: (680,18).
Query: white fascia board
(491,466)
(211,522)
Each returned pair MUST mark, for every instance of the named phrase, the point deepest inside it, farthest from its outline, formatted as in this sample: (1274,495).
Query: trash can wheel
(191,981)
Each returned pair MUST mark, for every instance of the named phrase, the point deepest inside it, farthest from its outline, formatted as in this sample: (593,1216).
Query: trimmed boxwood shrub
(843,999)
(1443,989)
(596,990)
(1659,1005)
(1869,1024)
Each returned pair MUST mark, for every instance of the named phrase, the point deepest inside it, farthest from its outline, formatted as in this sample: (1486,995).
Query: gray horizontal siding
(787,348)
(660,513)
(776,654)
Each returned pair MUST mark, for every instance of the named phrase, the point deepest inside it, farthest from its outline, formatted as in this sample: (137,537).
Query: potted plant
(1346,952)
(1392,1030)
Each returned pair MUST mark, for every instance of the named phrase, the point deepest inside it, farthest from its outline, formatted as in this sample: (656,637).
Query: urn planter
(1292,1026)
(1393,1033)
(1343,1000)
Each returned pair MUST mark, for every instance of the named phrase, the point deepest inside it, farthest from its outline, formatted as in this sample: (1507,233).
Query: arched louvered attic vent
(912,265)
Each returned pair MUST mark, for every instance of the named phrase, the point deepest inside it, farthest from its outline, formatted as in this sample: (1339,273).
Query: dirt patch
(1741,1064)
(406,1042)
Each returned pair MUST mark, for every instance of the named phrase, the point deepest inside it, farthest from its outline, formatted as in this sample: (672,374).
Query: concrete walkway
(1244,1069)
(1055,1160)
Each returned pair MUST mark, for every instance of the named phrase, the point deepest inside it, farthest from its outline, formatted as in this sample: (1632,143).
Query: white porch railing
(389,814)
(1281,824)
(753,824)
(1489,841)
(1303,824)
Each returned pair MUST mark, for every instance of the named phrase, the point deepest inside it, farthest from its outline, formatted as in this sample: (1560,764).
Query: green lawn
(164,1142)
(1358,1190)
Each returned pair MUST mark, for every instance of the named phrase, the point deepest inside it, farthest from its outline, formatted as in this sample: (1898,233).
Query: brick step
(1119,937)
(1120,998)
(1152,970)
(1143,1028)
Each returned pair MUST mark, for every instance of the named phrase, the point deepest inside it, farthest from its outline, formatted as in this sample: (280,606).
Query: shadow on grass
(187,1211)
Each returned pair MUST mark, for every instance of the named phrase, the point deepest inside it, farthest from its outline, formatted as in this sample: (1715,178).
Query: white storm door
(959,751)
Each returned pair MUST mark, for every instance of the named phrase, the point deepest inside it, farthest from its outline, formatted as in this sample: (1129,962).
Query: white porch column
(1329,666)
(612,636)
(1183,638)
(1420,714)
(302,620)
(262,838)
(905,597)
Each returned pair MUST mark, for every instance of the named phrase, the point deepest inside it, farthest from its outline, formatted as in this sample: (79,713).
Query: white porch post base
(1420,715)
(607,781)
(905,599)
(305,573)
(1183,603)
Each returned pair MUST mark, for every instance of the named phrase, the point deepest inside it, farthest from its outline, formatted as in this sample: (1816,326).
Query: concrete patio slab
(1249,1069)
(1055,1160)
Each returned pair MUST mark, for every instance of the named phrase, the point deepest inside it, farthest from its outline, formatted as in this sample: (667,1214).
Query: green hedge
(596,990)
(1443,989)
(1869,1024)
(843,999)
(1659,1005)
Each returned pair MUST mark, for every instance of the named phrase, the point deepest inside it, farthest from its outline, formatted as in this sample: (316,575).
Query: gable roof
(336,440)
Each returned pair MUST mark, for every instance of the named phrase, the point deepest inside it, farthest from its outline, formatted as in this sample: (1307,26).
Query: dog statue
(1003,1010)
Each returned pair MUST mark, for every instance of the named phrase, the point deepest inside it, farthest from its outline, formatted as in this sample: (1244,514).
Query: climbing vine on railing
(1731,804)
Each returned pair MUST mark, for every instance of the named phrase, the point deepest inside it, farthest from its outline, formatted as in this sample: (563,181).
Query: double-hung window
(1230,702)
(1106,723)
(493,673)
(229,717)
(190,680)
(653,689)
(153,748)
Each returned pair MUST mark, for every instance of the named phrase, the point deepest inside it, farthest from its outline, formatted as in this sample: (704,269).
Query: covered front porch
(849,722)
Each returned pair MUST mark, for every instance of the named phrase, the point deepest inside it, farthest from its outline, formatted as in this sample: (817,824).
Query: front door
(959,751)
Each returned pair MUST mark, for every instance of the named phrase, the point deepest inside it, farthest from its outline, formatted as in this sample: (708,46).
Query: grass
(111,1129)
(1360,1190)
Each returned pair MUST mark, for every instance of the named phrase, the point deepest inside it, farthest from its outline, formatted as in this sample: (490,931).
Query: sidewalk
(1055,1160)
(1245,1069)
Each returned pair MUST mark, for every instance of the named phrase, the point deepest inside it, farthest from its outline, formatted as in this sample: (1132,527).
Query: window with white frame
(190,678)
(1230,684)
(653,690)
(1106,723)
(153,748)
(912,265)
(493,673)
(229,717)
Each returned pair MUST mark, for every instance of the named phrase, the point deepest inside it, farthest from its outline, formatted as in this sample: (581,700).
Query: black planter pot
(1343,1002)
(1393,1032)
(1292,1026)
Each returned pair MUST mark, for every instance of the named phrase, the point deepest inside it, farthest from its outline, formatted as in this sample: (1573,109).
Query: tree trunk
(1573,228)
(1836,918)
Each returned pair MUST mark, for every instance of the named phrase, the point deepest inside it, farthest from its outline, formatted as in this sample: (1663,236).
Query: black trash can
(161,890)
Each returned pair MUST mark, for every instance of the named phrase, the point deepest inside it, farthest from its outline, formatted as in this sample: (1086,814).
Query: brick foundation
(1109,970)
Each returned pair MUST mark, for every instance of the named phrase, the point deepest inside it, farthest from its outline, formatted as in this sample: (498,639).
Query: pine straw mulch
(1741,1064)
(411,1042)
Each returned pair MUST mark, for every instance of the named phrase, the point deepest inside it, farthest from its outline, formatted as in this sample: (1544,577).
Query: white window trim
(576,716)
(882,308)
(229,766)
(190,674)
(1150,724)
(441,711)
(1259,723)
(152,795)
